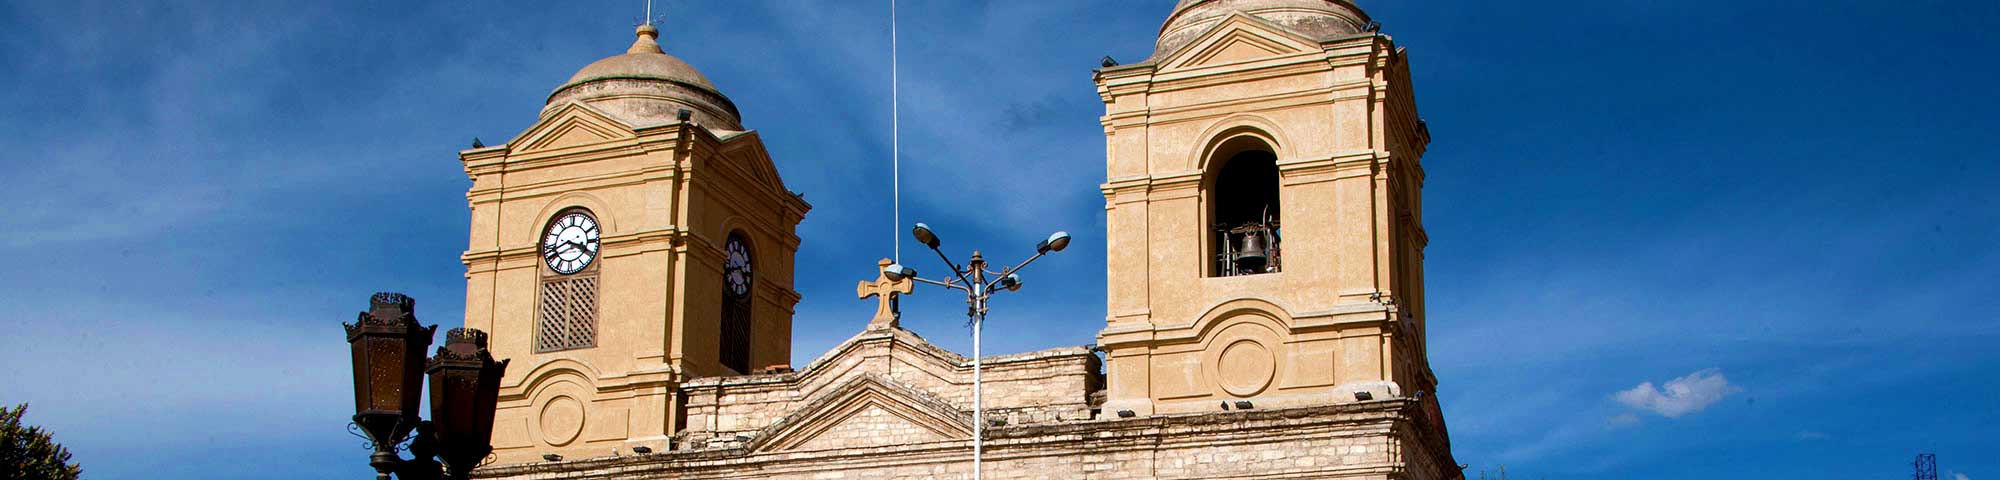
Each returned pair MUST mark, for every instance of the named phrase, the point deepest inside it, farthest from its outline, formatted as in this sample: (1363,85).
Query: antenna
(895,138)
(649,18)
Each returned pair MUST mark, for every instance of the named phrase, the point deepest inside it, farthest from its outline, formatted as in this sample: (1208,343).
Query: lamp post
(389,366)
(971,279)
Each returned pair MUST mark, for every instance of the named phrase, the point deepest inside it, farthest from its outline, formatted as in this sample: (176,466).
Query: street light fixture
(972,279)
(388,346)
(925,235)
(465,387)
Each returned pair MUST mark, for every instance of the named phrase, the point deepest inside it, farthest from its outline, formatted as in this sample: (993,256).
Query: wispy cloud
(1680,396)
(1810,435)
(1622,420)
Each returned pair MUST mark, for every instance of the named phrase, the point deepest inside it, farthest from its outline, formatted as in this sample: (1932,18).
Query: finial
(648,42)
(887,291)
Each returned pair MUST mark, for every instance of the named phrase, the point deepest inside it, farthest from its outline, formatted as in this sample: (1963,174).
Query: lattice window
(567,314)
(736,334)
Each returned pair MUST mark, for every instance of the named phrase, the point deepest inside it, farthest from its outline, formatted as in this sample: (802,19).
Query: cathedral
(632,253)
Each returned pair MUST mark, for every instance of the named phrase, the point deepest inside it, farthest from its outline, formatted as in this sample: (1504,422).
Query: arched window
(1243,208)
(566,306)
(738,288)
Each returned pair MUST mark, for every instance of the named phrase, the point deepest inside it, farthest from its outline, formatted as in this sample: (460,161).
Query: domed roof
(646,86)
(1318,19)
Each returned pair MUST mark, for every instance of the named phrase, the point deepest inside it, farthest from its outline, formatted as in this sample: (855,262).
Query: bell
(1252,257)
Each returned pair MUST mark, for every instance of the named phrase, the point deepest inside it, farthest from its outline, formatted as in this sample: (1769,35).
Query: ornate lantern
(388,346)
(465,385)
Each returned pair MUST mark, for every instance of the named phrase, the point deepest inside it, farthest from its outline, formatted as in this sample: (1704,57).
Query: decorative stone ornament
(885,292)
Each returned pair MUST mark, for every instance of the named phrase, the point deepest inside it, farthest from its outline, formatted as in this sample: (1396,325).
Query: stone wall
(887,404)
(1369,440)
(1035,387)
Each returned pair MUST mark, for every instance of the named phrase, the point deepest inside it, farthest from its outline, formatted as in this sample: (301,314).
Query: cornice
(668,234)
(1150,335)
(565,185)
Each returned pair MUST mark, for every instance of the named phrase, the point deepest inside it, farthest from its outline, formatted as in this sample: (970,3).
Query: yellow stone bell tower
(636,236)
(1265,217)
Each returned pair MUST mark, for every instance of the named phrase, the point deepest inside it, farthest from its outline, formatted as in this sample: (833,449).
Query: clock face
(571,243)
(736,269)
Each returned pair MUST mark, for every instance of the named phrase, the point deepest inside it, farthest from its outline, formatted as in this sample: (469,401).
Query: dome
(1317,19)
(646,86)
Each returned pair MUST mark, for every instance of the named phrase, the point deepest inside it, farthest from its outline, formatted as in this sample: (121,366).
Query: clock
(736,276)
(570,242)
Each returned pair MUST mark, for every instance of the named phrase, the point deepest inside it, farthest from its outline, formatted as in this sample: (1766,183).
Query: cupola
(646,86)
(1316,19)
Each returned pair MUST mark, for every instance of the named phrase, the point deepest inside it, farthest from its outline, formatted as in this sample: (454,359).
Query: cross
(885,292)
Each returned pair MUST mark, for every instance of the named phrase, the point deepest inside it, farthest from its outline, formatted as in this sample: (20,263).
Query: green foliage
(28,453)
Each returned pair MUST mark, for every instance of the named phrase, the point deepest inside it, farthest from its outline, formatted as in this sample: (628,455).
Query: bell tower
(636,236)
(1263,196)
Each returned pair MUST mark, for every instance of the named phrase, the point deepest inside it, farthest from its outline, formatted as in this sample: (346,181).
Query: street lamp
(388,347)
(971,279)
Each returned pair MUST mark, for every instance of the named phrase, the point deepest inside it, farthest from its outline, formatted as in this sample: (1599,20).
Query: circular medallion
(1245,368)
(561,420)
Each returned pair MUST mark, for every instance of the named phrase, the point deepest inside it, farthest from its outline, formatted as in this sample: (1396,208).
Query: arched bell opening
(1243,214)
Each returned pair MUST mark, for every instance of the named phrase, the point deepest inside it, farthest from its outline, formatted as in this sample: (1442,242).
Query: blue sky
(1694,239)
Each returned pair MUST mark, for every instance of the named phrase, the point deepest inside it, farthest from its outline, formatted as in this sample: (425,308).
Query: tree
(28,453)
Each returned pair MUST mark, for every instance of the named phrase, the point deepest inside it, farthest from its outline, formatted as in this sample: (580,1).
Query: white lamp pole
(978,407)
(972,280)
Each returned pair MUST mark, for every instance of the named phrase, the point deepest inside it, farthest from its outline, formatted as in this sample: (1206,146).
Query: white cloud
(1680,396)
(1960,476)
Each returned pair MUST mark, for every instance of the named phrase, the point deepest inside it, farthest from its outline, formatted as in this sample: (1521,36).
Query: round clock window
(570,243)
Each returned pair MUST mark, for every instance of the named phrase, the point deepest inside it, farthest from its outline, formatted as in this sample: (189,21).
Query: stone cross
(885,291)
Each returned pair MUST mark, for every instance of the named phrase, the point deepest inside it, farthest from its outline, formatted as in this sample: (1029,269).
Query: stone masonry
(887,404)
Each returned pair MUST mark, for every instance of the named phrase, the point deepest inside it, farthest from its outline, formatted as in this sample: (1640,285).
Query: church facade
(632,253)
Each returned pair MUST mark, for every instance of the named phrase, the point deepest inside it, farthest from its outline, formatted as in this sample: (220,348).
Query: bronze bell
(1252,256)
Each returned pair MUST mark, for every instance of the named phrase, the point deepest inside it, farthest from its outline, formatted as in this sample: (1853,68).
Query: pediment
(747,149)
(867,411)
(572,125)
(912,350)
(1237,39)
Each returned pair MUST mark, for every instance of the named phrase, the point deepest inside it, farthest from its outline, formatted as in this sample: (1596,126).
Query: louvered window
(567,314)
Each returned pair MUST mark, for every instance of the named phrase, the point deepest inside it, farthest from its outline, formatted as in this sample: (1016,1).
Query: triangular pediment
(747,149)
(871,425)
(1238,39)
(867,411)
(571,125)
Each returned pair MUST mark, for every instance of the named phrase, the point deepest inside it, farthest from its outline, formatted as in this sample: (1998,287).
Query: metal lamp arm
(1011,270)
(955,270)
(945,284)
